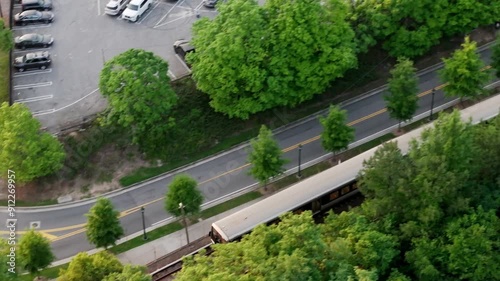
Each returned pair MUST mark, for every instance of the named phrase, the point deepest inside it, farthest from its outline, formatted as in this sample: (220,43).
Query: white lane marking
(21,74)
(34,99)
(35,85)
(42,112)
(176,4)
(32,26)
(148,13)
(59,109)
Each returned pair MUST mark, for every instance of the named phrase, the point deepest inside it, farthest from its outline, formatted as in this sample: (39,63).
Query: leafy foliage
(34,251)
(183,189)
(140,96)
(129,273)
(265,156)
(281,54)
(103,225)
(495,58)
(402,103)
(84,267)
(336,133)
(462,72)
(6,41)
(24,149)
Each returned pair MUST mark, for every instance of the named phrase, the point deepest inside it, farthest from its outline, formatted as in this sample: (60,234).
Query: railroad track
(163,268)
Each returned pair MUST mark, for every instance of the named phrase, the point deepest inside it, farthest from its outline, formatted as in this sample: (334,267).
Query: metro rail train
(318,192)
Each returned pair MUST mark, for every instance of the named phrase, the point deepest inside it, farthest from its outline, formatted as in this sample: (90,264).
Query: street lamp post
(300,153)
(144,225)
(181,206)
(432,103)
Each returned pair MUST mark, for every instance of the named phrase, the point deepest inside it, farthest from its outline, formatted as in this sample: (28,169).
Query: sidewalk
(150,251)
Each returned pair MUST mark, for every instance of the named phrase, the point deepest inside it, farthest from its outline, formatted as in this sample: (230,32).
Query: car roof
(30,12)
(37,54)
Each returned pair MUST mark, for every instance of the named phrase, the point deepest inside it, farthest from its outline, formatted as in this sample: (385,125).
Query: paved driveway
(85,38)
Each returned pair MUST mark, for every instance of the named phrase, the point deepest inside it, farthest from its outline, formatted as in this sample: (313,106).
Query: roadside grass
(4,76)
(21,203)
(228,205)
(51,273)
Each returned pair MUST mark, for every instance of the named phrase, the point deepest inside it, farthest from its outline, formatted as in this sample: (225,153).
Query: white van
(114,7)
(135,9)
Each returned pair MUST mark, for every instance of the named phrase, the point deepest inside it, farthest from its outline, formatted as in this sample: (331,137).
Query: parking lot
(84,38)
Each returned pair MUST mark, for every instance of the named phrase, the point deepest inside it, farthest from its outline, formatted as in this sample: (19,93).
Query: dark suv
(39,60)
(41,5)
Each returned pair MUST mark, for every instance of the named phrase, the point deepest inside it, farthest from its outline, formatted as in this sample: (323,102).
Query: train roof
(243,221)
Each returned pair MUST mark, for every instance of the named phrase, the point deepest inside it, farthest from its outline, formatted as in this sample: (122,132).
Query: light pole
(300,153)
(144,225)
(432,103)
(181,206)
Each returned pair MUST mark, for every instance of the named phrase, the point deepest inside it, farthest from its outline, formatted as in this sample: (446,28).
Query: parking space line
(16,51)
(32,27)
(32,73)
(35,85)
(174,20)
(98,7)
(183,63)
(42,112)
(166,15)
(149,12)
(34,99)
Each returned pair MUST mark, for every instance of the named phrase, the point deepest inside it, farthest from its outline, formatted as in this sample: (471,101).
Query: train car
(321,191)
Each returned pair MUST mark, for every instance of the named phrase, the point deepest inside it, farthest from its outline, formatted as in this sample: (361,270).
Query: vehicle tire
(21,69)
(43,67)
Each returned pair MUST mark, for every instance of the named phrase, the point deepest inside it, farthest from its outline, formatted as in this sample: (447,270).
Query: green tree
(103,224)
(336,133)
(129,273)
(24,149)
(6,41)
(140,98)
(34,251)
(495,58)
(8,270)
(265,157)
(91,268)
(402,103)
(247,66)
(183,189)
(463,72)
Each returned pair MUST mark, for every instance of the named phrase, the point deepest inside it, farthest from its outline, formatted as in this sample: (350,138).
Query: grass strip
(4,76)
(50,273)
(228,205)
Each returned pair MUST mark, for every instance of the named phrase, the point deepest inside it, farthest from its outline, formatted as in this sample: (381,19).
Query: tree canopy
(129,273)
(85,267)
(6,41)
(265,156)
(464,73)
(24,149)
(402,101)
(8,268)
(183,189)
(336,133)
(103,224)
(34,251)
(495,58)
(428,215)
(251,58)
(140,97)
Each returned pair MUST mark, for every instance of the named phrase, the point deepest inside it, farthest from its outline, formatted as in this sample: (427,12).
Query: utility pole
(144,225)
(300,153)
(432,103)
(181,206)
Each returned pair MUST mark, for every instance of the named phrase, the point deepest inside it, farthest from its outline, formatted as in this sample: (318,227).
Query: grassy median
(4,76)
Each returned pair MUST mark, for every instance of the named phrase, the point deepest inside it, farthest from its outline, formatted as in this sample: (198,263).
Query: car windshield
(133,7)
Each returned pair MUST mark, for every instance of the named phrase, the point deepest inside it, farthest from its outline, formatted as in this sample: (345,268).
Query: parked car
(210,3)
(135,9)
(41,5)
(39,60)
(33,40)
(182,47)
(114,7)
(33,16)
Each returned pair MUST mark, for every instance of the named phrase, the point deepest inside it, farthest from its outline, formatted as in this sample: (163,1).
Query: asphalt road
(218,176)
